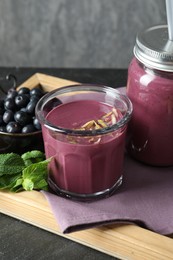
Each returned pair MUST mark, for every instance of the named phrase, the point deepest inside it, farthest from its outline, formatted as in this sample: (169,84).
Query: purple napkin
(145,198)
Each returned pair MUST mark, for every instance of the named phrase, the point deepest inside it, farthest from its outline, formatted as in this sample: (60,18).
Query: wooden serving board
(122,241)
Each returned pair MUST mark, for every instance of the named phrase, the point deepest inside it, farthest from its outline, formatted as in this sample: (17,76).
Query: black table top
(19,240)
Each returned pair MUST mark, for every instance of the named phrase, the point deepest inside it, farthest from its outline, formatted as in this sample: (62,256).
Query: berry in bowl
(20,130)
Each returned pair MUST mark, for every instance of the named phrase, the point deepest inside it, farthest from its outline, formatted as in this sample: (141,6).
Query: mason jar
(150,88)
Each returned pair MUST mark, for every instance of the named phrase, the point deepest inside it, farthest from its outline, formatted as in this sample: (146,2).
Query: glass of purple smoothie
(84,128)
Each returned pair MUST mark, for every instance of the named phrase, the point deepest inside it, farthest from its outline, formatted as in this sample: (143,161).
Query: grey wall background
(74,33)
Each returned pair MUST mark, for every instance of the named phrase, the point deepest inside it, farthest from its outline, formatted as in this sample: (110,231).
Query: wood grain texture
(122,241)
(47,82)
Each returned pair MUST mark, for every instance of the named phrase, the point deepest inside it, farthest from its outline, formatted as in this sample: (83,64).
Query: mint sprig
(25,172)
(11,163)
(32,157)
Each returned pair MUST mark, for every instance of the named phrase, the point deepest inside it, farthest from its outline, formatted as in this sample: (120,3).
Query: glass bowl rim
(20,134)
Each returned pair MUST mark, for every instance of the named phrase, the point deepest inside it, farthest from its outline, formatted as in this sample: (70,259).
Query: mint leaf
(35,176)
(9,181)
(33,157)
(11,163)
(26,172)
(17,186)
(28,184)
(41,184)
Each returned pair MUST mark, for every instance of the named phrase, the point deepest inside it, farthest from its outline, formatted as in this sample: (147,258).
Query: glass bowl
(21,143)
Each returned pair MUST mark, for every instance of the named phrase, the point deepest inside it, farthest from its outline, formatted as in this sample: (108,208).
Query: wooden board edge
(121,241)
(46,81)
(54,82)
(31,82)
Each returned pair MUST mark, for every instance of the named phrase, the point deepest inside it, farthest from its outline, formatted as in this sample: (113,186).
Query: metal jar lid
(154,49)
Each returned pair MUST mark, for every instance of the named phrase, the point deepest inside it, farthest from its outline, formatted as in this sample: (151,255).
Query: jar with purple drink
(150,88)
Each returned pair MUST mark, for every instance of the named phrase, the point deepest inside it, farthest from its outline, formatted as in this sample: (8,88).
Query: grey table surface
(22,241)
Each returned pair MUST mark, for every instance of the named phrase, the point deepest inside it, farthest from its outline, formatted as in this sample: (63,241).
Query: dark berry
(3,128)
(8,116)
(28,129)
(9,104)
(36,91)
(21,100)
(11,93)
(23,109)
(34,98)
(17,110)
(23,90)
(30,109)
(55,102)
(22,118)
(13,127)
(36,123)
(52,103)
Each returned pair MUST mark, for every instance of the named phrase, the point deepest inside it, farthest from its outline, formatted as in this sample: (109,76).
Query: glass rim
(85,87)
